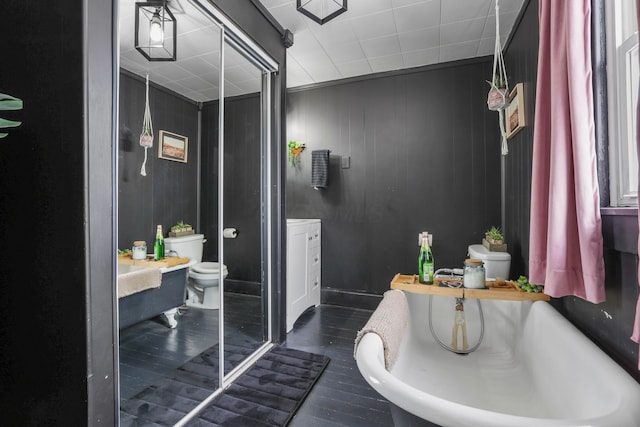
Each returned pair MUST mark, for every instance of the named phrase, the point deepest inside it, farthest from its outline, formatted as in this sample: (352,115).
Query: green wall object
(8,102)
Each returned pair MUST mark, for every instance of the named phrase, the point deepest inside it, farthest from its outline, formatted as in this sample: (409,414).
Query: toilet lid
(209,267)
(480,252)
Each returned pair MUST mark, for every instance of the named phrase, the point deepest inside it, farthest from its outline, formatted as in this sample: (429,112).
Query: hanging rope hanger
(498,98)
(146,138)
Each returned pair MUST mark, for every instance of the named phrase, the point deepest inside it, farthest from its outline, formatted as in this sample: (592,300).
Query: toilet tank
(186,246)
(496,264)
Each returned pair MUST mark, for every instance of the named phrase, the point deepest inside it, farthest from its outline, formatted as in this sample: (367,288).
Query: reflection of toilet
(204,277)
(496,264)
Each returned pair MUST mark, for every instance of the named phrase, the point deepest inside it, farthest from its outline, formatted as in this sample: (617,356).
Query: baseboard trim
(343,298)
(242,287)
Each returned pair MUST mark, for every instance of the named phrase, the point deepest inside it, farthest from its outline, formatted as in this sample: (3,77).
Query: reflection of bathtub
(533,368)
(163,300)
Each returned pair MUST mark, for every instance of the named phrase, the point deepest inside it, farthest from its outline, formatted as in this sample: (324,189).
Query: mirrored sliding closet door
(193,170)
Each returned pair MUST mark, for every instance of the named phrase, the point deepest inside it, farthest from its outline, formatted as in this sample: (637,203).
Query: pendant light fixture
(155,35)
(321,11)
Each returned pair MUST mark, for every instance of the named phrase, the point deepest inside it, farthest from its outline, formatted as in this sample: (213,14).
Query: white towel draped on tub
(138,281)
(389,322)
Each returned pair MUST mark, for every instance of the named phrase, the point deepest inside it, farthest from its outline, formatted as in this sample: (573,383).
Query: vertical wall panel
(521,60)
(243,191)
(168,193)
(425,155)
(242,184)
(43,198)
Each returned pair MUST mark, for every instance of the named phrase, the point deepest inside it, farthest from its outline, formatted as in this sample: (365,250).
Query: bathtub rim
(370,362)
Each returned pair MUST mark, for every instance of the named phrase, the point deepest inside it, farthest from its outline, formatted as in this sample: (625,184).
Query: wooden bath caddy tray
(150,263)
(507,291)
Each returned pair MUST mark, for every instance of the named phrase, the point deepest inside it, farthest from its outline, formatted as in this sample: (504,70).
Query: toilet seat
(209,268)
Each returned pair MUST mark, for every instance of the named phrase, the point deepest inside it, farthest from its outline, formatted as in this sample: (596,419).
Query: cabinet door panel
(314,286)
(314,257)
(315,263)
(297,274)
(314,235)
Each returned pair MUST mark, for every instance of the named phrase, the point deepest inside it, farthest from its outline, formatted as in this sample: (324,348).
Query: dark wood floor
(341,397)
(149,350)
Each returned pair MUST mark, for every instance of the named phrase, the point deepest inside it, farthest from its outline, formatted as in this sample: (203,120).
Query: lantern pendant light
(155,32)
(321,11)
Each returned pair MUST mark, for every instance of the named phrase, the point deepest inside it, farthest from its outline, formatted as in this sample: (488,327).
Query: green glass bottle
(158,247)
(425,262)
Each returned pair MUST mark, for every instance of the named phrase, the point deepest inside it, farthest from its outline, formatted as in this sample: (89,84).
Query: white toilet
(204,277)
(496,264)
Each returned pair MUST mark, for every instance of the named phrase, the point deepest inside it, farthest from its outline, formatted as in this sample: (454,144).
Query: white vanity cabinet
(303,267)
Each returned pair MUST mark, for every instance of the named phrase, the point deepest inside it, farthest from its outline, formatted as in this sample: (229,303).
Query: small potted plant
(498,98)
(494,240)
(494,235)
(146,137)
(180,229)
(294,148)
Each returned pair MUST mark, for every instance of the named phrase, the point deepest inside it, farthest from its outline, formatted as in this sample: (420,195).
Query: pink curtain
(565,251)
(636,328)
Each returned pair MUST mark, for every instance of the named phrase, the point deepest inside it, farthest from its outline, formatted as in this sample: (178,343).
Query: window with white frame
(623,71)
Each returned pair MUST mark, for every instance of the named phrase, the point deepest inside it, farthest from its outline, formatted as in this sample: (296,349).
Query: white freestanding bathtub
(533,368)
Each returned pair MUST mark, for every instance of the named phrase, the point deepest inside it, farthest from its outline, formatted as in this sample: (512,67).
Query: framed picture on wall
(173,147)
(514,113)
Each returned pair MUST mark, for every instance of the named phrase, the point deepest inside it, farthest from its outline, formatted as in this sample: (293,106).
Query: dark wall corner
(521,60)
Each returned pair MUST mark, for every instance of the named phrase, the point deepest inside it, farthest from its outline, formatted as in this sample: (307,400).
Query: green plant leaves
(4,123)
(294,148)
(295,144)
(494,233)
(7,103)
(7,124)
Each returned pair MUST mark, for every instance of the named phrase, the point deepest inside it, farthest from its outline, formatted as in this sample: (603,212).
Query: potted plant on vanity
(494,240)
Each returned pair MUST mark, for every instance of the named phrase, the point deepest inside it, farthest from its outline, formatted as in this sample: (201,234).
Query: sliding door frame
(235,38)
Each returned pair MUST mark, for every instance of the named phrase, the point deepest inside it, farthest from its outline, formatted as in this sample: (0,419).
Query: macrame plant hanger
(146,138)
(498,98)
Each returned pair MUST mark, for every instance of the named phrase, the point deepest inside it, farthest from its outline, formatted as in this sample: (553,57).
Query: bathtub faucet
(459,341)
(449,273)
(459,326)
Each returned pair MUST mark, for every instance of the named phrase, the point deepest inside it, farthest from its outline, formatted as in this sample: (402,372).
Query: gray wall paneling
(425,155)
(521,59)
(242,185)
(168,193)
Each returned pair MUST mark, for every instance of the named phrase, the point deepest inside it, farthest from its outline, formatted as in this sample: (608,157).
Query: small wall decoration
(294,149)
(497,99)
(173,147)
(515,115)
(146,137)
